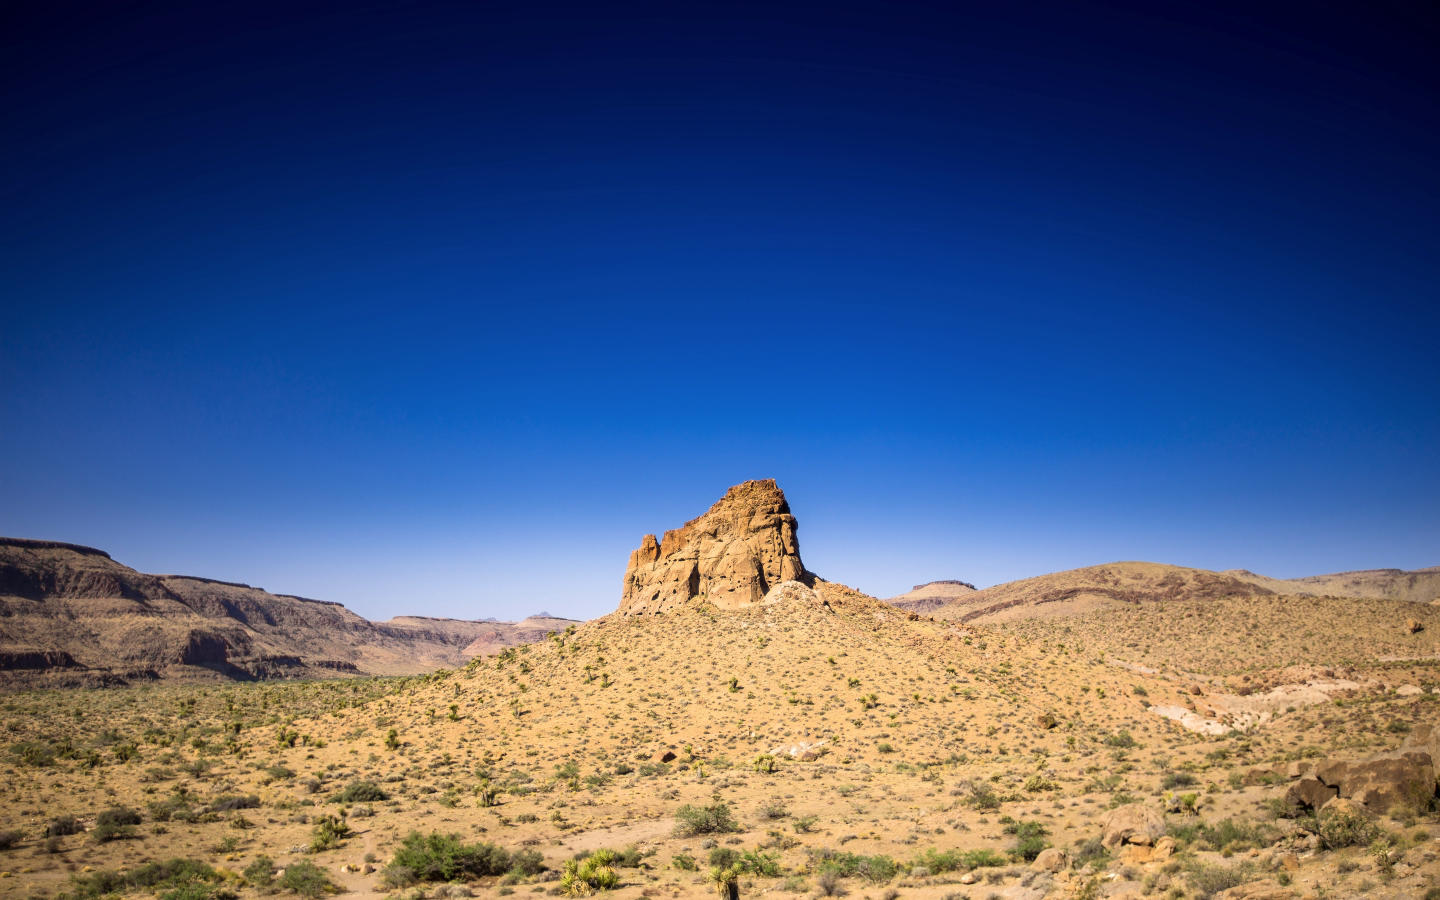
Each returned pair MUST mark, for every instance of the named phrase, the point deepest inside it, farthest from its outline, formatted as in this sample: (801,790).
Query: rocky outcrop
(1404,777)
(1132,823)
(731,556)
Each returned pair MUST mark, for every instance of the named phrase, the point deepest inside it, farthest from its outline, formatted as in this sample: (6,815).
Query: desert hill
(1419,586)
(72,615)
(830,738)
(1077,591)
(926,598)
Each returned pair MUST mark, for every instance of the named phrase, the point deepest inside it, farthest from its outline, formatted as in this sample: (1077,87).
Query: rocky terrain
(71,615)
(789,737)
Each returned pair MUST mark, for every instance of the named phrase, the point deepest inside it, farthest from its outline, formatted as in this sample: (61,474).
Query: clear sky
(437,309)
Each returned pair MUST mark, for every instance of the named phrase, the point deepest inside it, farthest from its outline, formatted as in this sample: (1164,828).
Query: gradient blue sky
(437,309)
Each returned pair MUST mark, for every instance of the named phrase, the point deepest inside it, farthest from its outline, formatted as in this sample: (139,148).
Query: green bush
(307,879)
(713,819)
(757,862)
(684,862)
(1340,828)
(528,862)
(360,792)
(1089,850)
(875,869)
(118,815)
(1179,779)
(958,860)
(261,872)
(172,873)
(1207,880)
(443,857)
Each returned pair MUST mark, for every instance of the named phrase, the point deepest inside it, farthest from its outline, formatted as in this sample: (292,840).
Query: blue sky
(438,308)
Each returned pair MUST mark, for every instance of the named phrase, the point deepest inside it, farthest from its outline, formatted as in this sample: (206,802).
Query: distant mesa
(541,615)
(928,597)
(733,555)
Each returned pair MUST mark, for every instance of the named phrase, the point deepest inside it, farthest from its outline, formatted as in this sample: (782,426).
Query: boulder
(1132,823)
(1296,769)
(1426,738)
(1404,777)
(1342,806)
(1413,626)
(1051,859)
(1311,792)
(1047,720)
(733,555)
(665,756)
(1258,775)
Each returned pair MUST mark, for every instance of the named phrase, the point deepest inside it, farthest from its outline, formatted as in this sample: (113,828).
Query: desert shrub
(529,862)
(764,763)
(654,769)
(773,810)
(329,831)
(804,824)
(1341,828)
(360,792)
(957,860)
(876,869)
(1207,880)
(443,857)
(1236,836)
(723,857)
(1029,839)
(261,872)
(1121,739)
(33,753)
(582,878)
(229,804)
(884,748)
(684,862)
(305,878)
(1089,850)
(9,839)
(118,815)
(1037,783)
(62,826)
(758,862)
(1179,779)
(827,884)
(713,819)
(279,773)
(172,873)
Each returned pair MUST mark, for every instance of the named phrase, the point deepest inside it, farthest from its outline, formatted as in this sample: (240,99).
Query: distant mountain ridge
(1079,591)
(70,614)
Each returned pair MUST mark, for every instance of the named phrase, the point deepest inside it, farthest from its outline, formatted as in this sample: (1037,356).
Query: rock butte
(733,555)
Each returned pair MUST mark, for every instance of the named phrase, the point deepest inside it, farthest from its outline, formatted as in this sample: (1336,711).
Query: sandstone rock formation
(732,556)
(1131,823)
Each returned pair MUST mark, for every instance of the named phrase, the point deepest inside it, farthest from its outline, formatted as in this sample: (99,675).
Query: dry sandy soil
(932,736)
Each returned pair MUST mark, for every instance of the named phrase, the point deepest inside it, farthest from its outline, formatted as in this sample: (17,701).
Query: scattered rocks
(1383,780)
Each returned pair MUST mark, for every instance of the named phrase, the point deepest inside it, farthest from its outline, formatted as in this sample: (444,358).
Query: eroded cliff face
(732,556)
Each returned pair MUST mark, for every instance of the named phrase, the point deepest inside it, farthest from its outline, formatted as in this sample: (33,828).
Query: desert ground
(819,744)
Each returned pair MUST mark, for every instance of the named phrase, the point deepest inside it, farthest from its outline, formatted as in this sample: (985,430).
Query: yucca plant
(596,872)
